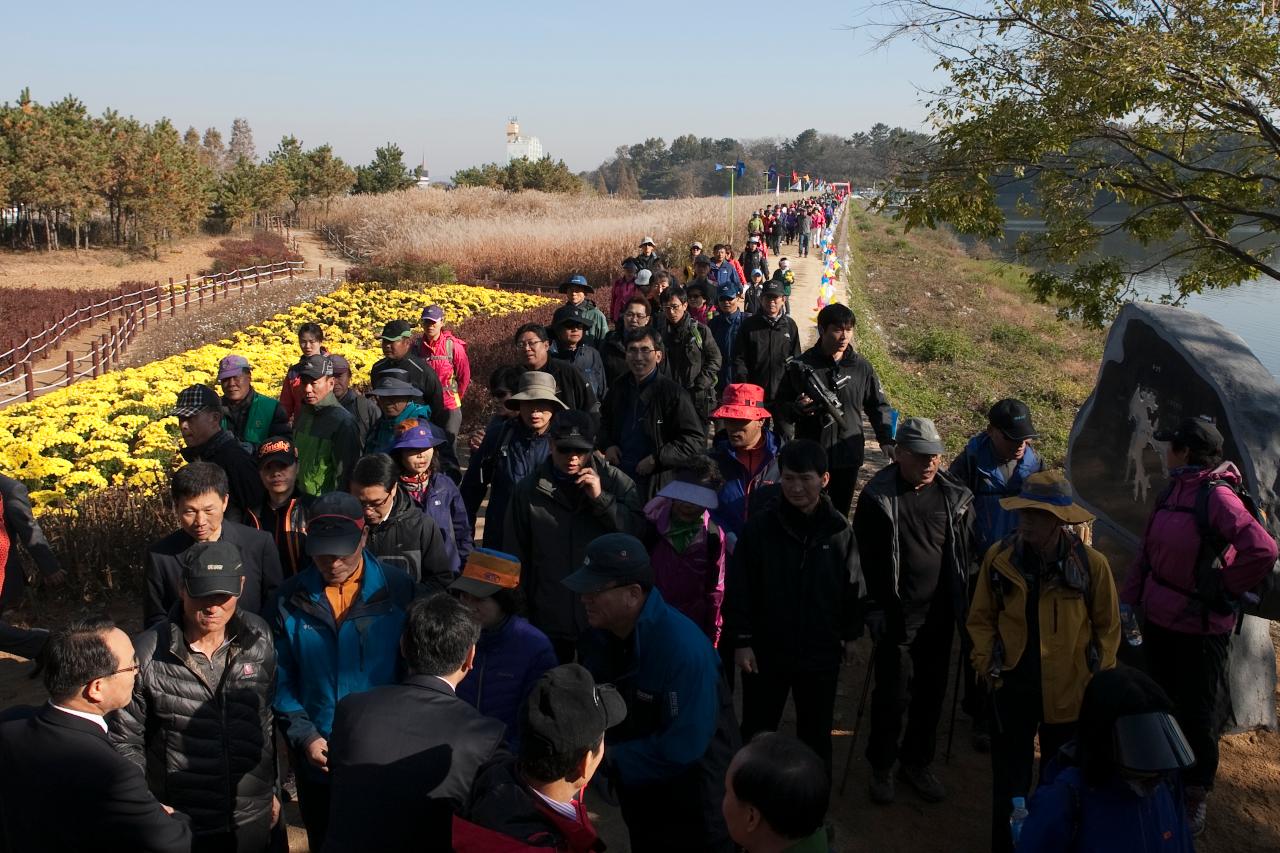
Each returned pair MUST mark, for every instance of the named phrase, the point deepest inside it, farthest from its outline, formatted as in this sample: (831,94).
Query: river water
(1251,310)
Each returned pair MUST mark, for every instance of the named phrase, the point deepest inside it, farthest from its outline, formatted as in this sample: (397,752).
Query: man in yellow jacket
(1044,618)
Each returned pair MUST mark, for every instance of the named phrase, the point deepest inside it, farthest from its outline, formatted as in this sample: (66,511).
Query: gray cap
(919,435)
(642,278)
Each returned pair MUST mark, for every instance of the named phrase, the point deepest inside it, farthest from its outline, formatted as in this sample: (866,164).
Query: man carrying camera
(823,396)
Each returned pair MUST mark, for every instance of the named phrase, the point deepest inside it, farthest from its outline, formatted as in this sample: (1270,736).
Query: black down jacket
(207,749)
(410,540)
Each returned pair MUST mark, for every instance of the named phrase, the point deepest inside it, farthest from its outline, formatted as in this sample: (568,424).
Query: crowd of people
(659,514)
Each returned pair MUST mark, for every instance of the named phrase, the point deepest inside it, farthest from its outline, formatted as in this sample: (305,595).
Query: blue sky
(442,78)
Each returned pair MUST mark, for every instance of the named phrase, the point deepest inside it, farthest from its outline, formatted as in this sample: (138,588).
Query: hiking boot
(922,779)
(881,788)
(981,737)
(1197,800)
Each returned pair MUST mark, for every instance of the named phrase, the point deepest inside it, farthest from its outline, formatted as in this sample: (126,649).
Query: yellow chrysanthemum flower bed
(115,430)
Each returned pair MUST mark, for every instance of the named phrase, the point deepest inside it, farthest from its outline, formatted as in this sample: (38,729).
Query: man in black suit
(200,504)
(403,757)
(63,786)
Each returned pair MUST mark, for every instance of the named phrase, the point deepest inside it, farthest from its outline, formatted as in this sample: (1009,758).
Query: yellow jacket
(1067,627)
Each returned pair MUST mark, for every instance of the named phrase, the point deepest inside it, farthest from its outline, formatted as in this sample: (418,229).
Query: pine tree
(241,145)
(625,183)
(213,153)
(191,138)
(327,175)
(602,188)
(387,172)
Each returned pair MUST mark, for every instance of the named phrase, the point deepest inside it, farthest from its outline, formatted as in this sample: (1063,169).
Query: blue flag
(740,168)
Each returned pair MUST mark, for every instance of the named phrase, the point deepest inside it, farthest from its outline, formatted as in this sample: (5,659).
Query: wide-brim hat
(1049,491)
(535,385)
(388,387)
(742,401)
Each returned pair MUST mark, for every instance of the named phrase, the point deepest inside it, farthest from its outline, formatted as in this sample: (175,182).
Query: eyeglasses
(528,344)
(635,315)
(377,503)
(640,350)
(673,307)
(136,666)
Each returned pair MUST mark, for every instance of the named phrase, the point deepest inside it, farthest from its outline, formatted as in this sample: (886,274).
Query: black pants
(253,837)
(727,664)
(23,642)
(1192,669)
(844,481)
(1018,718)
(911,679)
(313,803)
(764,695)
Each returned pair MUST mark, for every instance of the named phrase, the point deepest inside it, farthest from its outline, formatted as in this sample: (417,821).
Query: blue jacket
(383,434)
(731,514)
(725,273)
(442,502)
(976,467)
(508,454)
(587,359)
(1068,816)
(318,662)
(509,661)
(724,328)
(669,675)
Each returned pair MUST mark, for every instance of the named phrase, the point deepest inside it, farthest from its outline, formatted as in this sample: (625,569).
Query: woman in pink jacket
(1188,620)
(686,548)
(447,355)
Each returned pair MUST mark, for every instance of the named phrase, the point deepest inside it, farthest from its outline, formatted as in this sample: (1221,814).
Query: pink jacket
(448,357)
(1172,544)
(623,289)
(691,581)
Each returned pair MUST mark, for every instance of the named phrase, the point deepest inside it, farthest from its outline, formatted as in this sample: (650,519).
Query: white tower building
(521,146)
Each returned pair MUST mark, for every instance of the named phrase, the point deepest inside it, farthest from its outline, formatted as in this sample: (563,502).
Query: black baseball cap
(397,329)
(1198,434)
(212,568)
(573,430)
(278,448)
(575,314)
(614,559)
(772,287)
(1013,418)
(315,367)
(567,712)
(335,523)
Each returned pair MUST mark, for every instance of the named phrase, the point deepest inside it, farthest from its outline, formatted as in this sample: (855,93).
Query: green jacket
(328,446)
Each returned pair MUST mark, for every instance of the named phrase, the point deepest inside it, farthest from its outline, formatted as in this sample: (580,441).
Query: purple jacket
(1172,543)
(442,502)
(691,581)
(509,661)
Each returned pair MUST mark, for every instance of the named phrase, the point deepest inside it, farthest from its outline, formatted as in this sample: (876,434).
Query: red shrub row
(263,248)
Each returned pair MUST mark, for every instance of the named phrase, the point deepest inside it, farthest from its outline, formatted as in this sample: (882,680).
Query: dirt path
(208,321)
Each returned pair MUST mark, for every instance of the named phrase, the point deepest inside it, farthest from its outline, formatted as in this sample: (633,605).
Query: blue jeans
(804,243)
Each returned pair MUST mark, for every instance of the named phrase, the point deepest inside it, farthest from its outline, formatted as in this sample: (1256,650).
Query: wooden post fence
(71,367)
(31,381)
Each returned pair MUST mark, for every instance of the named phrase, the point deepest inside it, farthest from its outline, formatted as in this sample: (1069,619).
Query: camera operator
(823,396)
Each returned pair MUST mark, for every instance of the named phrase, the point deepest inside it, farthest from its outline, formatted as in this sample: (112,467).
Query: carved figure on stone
(1142,412)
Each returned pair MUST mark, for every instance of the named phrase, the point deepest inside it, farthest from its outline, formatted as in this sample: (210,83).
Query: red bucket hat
(742,400)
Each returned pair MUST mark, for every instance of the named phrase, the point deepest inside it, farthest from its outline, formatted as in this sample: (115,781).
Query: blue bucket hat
(413,434)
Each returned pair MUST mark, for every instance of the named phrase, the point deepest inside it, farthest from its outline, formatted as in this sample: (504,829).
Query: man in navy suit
(64,788)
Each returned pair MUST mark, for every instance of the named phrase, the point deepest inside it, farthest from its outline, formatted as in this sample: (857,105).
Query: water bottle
(1017,818)
(1129,625)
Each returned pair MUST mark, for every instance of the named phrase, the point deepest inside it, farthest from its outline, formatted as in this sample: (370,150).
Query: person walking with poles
(1043,620)
(914,527)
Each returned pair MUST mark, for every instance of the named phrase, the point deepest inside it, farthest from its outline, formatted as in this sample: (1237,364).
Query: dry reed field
(534,237)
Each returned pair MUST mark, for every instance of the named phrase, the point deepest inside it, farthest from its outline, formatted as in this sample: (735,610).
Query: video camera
(810,382)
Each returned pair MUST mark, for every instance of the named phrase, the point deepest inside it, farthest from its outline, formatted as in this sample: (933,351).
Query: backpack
(1210,592)
(1077,560)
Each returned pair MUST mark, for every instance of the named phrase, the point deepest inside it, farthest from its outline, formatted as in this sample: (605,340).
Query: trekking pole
(955,701)
(857,720)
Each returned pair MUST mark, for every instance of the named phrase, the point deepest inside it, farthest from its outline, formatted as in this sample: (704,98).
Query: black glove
(877,624)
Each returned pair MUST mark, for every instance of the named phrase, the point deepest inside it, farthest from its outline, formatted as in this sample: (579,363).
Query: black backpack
(1210,590)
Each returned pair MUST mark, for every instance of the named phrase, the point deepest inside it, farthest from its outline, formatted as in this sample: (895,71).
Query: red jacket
(623,289)
(448,357)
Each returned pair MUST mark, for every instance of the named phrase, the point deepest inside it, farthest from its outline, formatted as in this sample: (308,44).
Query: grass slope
(949,335)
